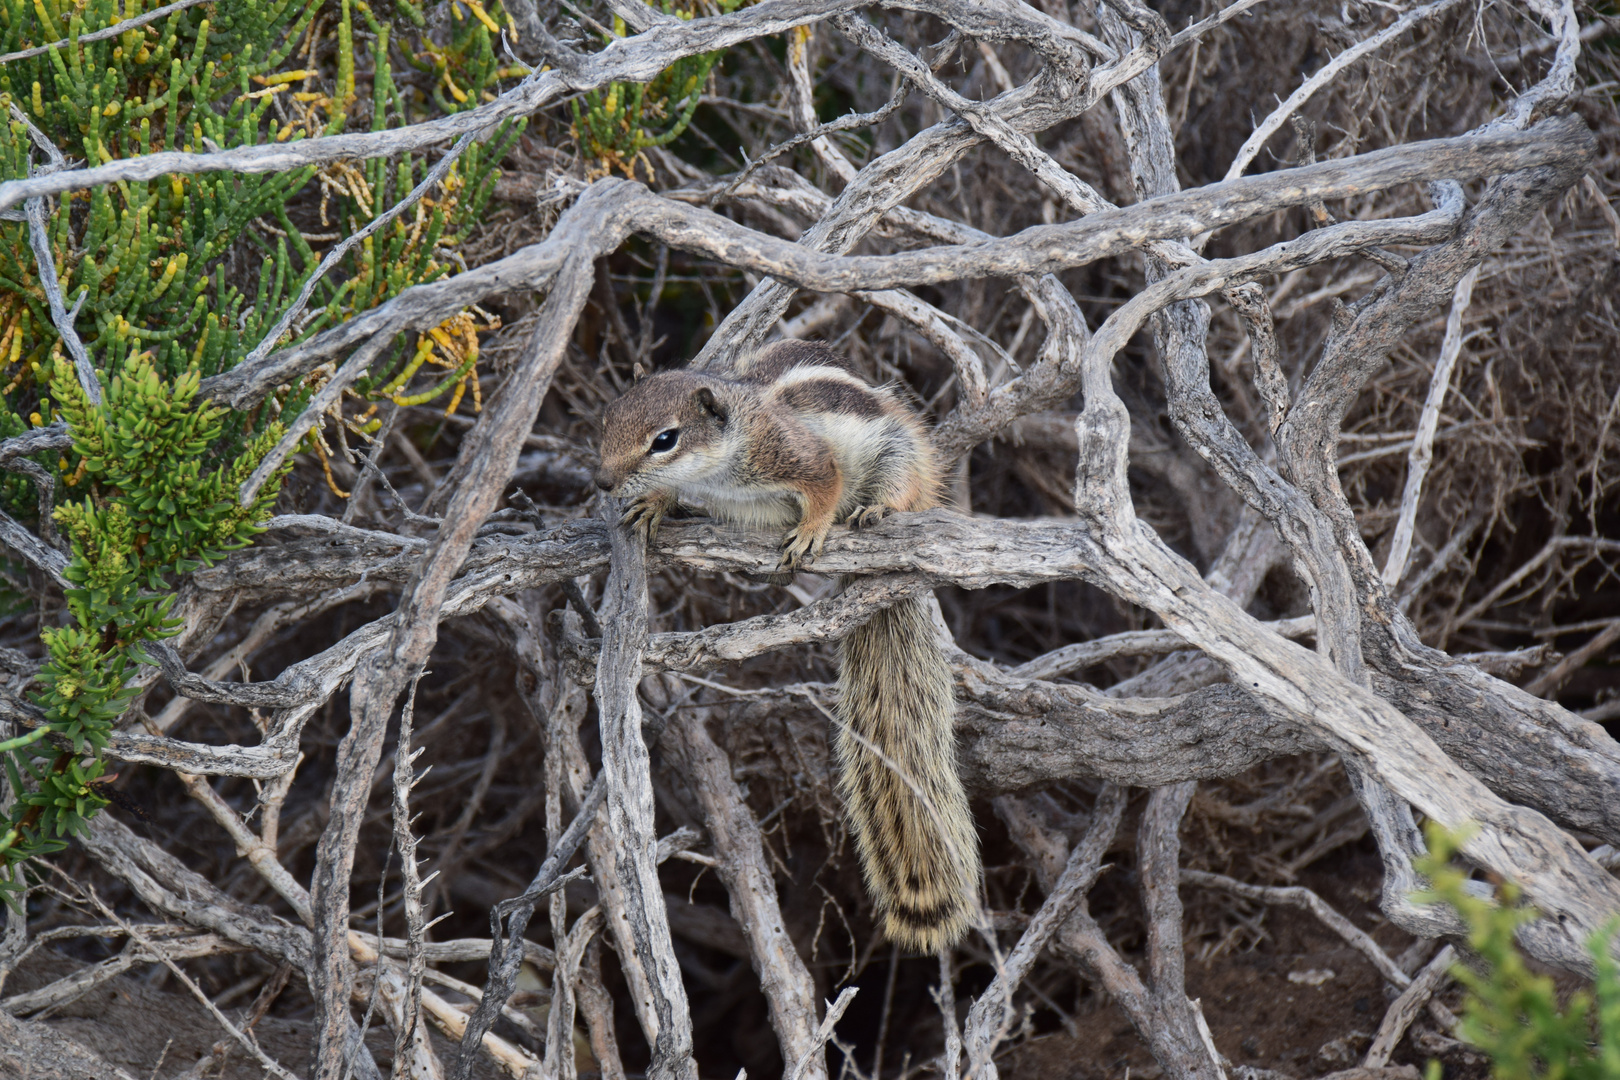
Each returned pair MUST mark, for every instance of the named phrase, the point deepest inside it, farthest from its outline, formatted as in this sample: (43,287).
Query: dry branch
(747,875)
(105,34)
(1303,898)
(630,808)
(1404,1009)
(947,549)
(509,919)
(1324,76)
(45,264)
(611,209)
(988,1019)
(1414,726)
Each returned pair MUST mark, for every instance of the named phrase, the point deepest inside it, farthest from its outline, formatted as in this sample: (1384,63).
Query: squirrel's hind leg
(895,482)
(863,517)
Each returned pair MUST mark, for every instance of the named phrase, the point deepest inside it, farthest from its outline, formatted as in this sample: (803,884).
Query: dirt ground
(152,1028)
(1300,1003)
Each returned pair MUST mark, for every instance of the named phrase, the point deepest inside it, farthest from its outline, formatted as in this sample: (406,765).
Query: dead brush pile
(1142,744)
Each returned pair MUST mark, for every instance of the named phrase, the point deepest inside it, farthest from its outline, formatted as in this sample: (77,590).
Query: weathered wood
(786,982)
(629,825)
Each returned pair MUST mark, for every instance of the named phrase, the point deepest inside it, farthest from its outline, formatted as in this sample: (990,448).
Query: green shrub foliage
(151,510)
(181,277)
(1511,1013)
(621,120)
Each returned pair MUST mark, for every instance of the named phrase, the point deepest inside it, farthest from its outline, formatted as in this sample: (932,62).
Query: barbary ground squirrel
(793,438)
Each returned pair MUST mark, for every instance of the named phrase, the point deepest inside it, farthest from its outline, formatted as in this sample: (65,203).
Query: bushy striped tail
(898,778)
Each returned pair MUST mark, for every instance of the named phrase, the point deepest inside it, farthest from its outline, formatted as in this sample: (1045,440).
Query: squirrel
(792,437)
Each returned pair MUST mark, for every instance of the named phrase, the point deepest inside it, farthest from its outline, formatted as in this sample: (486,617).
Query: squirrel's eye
(665,441)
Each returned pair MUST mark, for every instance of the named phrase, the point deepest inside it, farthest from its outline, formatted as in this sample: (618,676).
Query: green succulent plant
(621,120)
(179,278)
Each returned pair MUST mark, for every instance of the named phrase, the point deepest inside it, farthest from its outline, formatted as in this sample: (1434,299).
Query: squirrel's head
(665,428)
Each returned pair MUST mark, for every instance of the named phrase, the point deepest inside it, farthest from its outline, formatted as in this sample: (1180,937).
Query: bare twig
(1548,550)
(1158,846)
(105,33)
(597,1007)
(835,1012)
(786,982)
(40,555)
(847,122)
(506,951)
(1552,680)
(406,996)
(560,1021)
(45,263)
(74,986)
(625,769)
(988,1017)
(401,1002)
(1417,463)
(266,1062)
(434,175)
(1300,897)
(1078,657)
(1404,1009)
(945,997)
(1204,26)
(801,102)
(1324,76)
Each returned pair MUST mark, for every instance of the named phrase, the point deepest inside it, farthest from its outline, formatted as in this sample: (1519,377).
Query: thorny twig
(506,942)
(411,884)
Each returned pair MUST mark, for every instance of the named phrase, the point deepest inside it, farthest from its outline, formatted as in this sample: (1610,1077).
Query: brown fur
(830,395)
(771,362)
(797,439)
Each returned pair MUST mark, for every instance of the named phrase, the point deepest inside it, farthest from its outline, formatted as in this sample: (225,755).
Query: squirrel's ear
(705,397)
(638,372)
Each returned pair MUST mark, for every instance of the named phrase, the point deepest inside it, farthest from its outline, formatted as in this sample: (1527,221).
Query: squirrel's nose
(604,480)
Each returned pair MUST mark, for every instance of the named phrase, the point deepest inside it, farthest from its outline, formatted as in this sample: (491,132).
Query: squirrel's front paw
(644,515)
(799,542)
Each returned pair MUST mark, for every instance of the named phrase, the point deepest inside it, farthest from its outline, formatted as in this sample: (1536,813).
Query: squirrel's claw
(643,516)
(798,543)
(863,517)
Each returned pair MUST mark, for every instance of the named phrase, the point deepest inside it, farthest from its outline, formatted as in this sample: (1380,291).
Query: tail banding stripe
(908,811)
